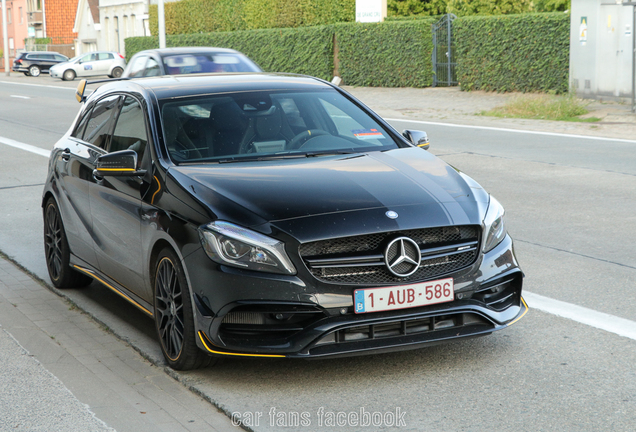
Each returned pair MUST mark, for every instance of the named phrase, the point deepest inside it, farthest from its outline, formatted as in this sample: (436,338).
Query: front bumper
(317,319)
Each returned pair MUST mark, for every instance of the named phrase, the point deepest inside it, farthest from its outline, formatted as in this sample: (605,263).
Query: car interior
(240,126)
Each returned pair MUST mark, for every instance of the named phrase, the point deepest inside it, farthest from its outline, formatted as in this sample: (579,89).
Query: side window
(137,66)
(85,58)
(152,68)
(101,121)
(81,125)
(130,131)
(60,57)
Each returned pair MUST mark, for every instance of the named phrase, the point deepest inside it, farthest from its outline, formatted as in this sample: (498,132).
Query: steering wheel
(299,140)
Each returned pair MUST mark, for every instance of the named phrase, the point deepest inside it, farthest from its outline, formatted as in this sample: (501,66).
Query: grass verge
(544,107)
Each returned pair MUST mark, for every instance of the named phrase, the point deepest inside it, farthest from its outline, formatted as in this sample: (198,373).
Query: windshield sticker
(365,134)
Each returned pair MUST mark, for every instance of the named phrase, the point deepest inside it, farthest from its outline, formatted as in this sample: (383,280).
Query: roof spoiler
(81,87)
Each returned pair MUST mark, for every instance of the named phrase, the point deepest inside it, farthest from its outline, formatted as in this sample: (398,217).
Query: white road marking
(23,146)
(513,130)
(38,85)
(19,97)
(590,317)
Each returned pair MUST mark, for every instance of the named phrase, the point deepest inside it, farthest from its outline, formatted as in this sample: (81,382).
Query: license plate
(402,297)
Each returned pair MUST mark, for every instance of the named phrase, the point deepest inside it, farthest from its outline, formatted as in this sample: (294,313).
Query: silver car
(90,64)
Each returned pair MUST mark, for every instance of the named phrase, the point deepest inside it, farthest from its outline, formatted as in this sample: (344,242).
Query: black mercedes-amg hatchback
(275,216)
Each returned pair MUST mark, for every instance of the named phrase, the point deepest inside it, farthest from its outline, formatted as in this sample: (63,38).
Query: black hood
(287,189)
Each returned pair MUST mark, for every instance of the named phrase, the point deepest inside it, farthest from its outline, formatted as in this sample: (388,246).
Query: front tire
(116,73)
(26,74)
(174,318)
(69,75)
(34,71)
(57,251)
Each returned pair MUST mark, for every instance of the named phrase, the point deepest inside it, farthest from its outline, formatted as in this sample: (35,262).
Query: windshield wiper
(288,156)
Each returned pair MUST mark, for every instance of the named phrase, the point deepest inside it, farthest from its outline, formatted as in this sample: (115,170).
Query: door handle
(66,155)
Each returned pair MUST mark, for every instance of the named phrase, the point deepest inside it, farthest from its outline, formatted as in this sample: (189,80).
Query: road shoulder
(120,387)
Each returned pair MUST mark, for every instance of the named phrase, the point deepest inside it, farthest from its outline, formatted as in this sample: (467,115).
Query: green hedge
(203,16)
(304,50)
(528,52)
(391,54)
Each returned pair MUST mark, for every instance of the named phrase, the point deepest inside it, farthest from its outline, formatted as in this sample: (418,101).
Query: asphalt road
(571,210)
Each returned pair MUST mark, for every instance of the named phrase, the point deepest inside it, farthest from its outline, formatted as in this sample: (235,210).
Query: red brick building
(60,18)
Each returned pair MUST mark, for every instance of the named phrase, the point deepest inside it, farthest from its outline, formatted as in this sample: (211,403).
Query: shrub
(528,52)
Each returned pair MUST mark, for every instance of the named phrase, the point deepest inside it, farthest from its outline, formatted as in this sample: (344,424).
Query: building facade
(17,29)
(105,24)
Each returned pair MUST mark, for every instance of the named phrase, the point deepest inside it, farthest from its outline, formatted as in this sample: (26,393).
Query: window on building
(21,16)
(9,19)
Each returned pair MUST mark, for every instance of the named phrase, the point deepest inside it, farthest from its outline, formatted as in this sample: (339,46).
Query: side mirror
(121,163)
(418,138)
(81,88)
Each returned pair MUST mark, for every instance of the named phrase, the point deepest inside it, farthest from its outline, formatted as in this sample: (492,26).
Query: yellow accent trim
(152,201)
(523,314)
(235,354)
(91,274)
(423,145)
(115,169)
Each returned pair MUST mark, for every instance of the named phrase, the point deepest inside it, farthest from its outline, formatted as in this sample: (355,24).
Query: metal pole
(634,60)
(162,24)
(448,28)
(5,38)
(44,19)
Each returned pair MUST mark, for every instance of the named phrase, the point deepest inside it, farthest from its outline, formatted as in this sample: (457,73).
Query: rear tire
(68,75)
(34,71)
(57,251)
(116,73)
(174,318)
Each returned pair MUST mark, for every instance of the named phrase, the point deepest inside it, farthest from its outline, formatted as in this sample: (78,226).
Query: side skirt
(114,286)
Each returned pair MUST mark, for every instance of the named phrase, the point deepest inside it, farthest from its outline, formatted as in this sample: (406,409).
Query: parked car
(35,62)
(90,64)
(273,216)
(187,60)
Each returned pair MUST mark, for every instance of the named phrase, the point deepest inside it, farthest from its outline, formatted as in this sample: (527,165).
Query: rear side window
(81,125)
(100,123)
(152,68)
(105,56)
(60,57)
(137,66)
(130,132)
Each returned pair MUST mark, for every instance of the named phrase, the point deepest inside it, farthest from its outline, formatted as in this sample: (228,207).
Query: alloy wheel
(53,242)
(169,309)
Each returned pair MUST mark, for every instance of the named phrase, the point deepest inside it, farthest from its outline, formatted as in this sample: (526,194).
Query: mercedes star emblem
(402,257)
(391,214)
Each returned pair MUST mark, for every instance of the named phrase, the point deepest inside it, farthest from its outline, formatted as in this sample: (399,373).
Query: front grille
(421,327)
(359,260)
(267,322)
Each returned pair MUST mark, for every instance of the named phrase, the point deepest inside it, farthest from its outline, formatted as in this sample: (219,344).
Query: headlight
(230,244)
(494,225)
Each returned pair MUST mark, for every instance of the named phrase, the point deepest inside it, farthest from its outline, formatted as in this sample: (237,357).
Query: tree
(489,7)
(416,7)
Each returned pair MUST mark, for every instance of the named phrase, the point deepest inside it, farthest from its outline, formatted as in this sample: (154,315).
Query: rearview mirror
(418,138)
(121,163)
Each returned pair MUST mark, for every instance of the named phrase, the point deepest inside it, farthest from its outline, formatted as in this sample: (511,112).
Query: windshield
(179,64)
(263,125)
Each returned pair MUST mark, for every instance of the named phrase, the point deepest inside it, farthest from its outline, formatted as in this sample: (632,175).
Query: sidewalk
(67,373)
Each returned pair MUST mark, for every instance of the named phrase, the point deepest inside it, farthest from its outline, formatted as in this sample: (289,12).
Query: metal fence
(66,49)
(444,63)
